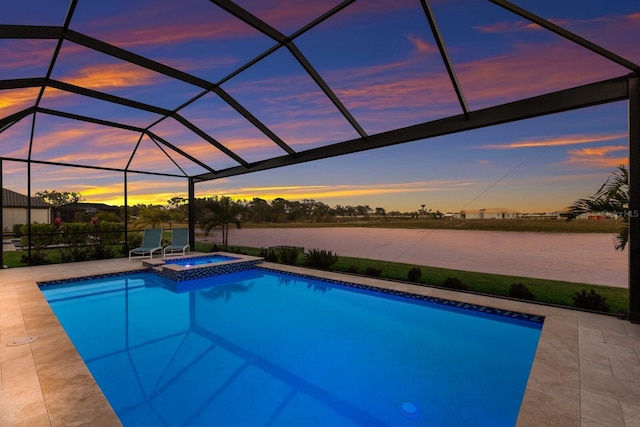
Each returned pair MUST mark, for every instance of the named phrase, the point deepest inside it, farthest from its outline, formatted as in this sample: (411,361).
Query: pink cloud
(21,54)
(422,45)
(530,70)
(83,143)
(507,26)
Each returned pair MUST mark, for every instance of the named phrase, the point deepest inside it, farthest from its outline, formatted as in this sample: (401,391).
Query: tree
(59,198)
(179,206)
(223,211)
(380,212)
(156,215)
(258,210)
(612,198)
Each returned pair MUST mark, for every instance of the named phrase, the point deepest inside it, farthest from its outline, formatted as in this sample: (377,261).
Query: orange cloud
(109,76)
(15,100)
(320,192)
(599,157)
(558,141)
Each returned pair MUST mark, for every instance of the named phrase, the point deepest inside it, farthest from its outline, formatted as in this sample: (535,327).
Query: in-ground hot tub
(196,267)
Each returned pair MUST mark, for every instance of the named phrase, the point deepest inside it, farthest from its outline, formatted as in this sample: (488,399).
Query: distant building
(488,213)
(541,215)
(565,213)
(14,210)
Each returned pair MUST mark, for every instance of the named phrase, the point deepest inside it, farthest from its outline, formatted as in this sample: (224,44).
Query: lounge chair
(151,242)
(179,242)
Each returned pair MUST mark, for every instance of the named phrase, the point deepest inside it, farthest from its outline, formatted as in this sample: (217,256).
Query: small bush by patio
(454,283)
(289,255)
(520,291)
(320,258)
(372,271)
(268,254)
(591,301)
(414,274)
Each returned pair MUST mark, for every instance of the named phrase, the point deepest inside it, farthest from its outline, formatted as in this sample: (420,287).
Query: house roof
(12,199)
(86,206)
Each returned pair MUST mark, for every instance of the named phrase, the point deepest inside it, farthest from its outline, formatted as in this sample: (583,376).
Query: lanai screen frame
(625,87)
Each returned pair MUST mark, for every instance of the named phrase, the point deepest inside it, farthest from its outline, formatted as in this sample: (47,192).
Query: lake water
(583,258)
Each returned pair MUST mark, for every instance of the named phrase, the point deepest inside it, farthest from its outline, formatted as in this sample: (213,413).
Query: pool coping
(586,368)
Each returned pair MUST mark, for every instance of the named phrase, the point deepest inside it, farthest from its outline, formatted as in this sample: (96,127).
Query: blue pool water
(187,262)
(260,348)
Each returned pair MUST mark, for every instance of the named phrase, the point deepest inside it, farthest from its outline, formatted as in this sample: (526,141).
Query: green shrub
(75,254)
(320,258)
(134,240)
(414,274)
(268,254)
(520,291)
(100,252)
(42,235)
(289,255)
(75,234)
(36,258)
(454,283)
(17,229)
(106,233)
(353,269)
(372,271)
(591,301)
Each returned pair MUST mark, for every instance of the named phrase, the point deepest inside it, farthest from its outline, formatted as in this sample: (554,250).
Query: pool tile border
(43,283)
(514,315)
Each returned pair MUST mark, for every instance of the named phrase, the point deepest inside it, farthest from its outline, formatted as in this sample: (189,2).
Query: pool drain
(21,341)
(408,409)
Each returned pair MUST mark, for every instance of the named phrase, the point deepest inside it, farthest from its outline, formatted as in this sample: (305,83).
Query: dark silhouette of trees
(59,198)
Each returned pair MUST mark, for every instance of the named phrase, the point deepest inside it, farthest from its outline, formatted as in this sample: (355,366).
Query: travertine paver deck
(586,371)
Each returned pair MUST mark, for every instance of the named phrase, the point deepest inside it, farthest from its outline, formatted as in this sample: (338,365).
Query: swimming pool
(261,348)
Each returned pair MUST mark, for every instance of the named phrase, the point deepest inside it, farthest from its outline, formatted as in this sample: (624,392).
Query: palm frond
(612,197)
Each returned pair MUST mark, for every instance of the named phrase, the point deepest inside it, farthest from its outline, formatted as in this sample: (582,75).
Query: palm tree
(612,197)
(220,212)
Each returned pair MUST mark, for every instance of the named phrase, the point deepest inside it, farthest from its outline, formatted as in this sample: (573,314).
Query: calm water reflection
(584,258)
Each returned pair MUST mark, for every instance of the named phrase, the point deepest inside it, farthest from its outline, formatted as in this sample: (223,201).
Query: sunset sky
(380,59)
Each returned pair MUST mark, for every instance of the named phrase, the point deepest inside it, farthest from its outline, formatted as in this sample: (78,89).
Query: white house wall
(12,216)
